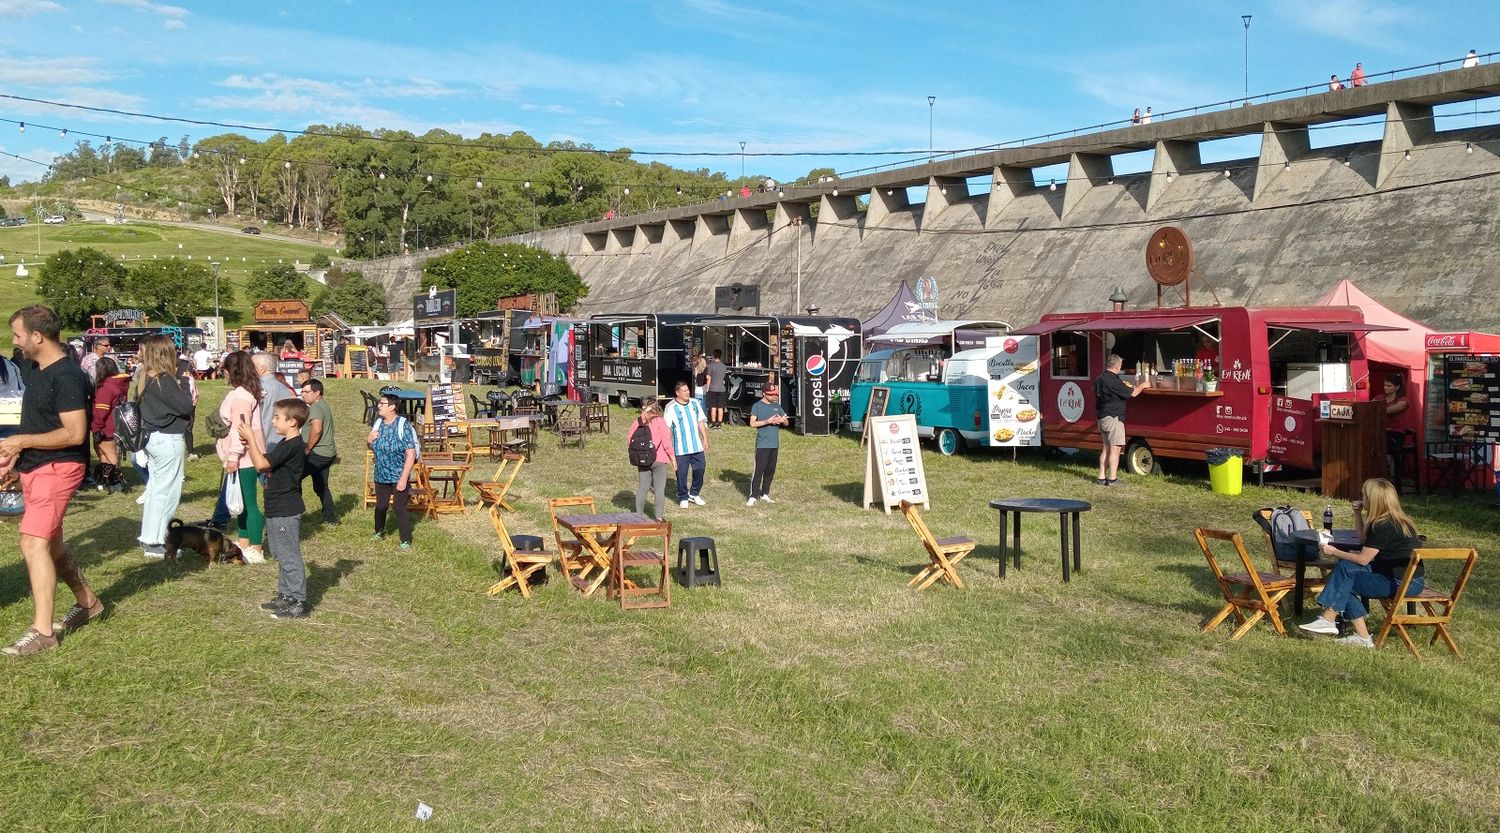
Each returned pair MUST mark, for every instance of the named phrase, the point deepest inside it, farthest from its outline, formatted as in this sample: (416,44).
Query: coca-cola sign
(1447,341)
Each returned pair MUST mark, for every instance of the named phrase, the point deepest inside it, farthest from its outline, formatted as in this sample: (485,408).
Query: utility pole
(1246,18)
(217,326)
(797,305)
(742,160)
(931,100)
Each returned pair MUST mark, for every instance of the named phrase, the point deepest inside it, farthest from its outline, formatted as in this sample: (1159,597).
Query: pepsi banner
(812,386)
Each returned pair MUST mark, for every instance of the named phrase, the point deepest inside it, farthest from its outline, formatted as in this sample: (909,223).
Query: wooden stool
(689,552)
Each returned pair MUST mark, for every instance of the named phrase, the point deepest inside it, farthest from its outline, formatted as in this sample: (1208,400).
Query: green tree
(175,290)
(359,300)
(79,283)
(484,272)
(320,260)
(280,281)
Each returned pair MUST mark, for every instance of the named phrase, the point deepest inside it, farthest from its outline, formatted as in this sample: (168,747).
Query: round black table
(1063,508)
(1307,550)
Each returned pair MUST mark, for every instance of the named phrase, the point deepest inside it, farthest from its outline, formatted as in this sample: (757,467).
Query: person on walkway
(395,443)
(166,413)
(1334,84)
(684,417)
(108,394)
(242,405)
(283,470)
(699,367)
(1375,572)
(317,438)
(654,476)
(49,454)
(1146,116)
(1111,393)
(716,372)
(1471,59)
(1357,77)
(1135,118)
(767,418)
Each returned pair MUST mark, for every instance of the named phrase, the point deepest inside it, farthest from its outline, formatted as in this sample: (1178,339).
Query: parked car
(55,219)
(13,221)
(250,230)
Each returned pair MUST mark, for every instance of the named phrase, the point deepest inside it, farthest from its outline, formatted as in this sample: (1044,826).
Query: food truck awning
(1180,321)
(1045,327)
(930,332)
(1335,326)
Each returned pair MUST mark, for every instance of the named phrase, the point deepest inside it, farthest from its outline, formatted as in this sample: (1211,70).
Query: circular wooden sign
(1169,256)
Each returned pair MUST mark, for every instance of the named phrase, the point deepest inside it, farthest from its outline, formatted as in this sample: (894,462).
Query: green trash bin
(1226,470)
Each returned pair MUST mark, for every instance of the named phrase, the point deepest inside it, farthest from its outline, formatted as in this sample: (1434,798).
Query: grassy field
(814,691)
(239,254)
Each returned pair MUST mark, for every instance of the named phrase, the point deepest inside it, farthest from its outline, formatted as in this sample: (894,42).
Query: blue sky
(687,75)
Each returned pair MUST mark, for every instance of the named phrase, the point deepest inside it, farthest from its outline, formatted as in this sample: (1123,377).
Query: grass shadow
(740,480)
(623,500)
(321,579)
(907,569)
(847,492)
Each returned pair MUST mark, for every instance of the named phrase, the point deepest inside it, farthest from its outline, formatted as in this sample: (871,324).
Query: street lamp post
(742,160)
(1246,18)
(215,266)
(931,100)
(797,305)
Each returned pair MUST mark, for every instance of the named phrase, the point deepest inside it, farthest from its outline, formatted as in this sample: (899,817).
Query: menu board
(288,369)
(893,463)
(326,342)
(788,352)
(231,341)
(1014,415)
(879,398)
(446,404)
(1473,395)
(357,361)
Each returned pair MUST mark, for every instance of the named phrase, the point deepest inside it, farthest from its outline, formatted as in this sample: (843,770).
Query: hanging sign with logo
(927,295)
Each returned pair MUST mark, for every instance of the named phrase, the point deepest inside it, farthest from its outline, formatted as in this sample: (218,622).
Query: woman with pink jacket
(242,404)
(654,476)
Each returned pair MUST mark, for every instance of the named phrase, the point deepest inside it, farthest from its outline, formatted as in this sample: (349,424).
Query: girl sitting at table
(1375,571)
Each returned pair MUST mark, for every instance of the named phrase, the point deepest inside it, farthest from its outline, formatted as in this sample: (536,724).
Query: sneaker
(1114,483)
(293,609)
(154,551)
(697,500)
(1099,481)
(1320,626)
(1354,640)
(141,501)
(277,602)
(766,499)
(405,545)
(750,502)
(253,555)
(78,616)
(31,642)
(379,536)
(192,456)
(682,505)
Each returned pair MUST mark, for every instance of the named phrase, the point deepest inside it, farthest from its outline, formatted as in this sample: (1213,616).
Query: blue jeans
(166,454)
(221,509)
(284,543)
(1349,581)
(685,462)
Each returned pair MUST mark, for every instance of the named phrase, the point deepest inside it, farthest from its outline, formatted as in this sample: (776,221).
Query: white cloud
(41,71)
(176,12)
(26,8)
(1365,22)
(174,24)
(20,170)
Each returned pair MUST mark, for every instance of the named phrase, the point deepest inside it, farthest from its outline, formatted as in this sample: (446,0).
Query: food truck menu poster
(893,464)
(1015,377)
(879,398)
(446,404)
(288,369)
(788,351)
(232,341)
(1473,397)
(326,343)
(357,360)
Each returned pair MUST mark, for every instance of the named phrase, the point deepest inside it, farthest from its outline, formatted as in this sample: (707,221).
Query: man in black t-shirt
(49,453)
(1111,393)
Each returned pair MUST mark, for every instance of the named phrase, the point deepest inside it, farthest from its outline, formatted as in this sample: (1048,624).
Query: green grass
(239,254)
(814,691)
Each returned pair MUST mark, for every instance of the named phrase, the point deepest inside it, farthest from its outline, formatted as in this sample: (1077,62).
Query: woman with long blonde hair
(166,416)
(1375,571)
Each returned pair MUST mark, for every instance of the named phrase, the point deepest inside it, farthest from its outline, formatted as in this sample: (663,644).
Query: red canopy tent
(1396,350)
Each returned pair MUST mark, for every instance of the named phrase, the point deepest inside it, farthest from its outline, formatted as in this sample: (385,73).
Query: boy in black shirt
(284,505)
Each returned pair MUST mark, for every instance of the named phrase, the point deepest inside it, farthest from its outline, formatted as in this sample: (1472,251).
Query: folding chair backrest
(506,546)
(913,515)
(1279,524)
(1469,556)
(581,502)
(1233,538)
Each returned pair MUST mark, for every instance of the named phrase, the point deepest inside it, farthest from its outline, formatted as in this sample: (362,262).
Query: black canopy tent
(902,309)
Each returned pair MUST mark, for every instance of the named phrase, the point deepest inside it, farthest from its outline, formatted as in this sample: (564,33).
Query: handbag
(234,499)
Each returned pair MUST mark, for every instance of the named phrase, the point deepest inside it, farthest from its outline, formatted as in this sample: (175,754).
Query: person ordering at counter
(1111,393)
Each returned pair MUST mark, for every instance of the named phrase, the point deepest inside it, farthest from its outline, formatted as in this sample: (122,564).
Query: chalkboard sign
(357,361)
(446,404)
(879,397)
(288,369)
(232,341)
(326,345)
(1473,397)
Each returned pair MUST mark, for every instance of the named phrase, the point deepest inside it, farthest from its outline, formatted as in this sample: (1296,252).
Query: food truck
(279,320)
(984,397)
(814,357)
(1231,377)
(127,328)
(553,359)
(495,338)
(638,356)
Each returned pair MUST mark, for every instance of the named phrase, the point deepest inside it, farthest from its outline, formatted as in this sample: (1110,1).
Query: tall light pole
(1246,18)
(931,100)
(217,327)
(742,160)
(797,305)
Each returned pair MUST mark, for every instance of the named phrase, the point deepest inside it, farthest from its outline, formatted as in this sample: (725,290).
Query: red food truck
(1222,377)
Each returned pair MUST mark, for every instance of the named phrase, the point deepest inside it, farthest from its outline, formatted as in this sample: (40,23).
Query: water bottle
(1328,518)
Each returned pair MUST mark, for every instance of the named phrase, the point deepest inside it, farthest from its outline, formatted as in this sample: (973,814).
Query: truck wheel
(1139,458)
(948,441)
(624,400)
(734,417)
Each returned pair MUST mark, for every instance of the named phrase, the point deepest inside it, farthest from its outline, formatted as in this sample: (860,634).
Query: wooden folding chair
(1282,567)
(419,489)
(369,478)
(596,416)
(1251,592)
(945,553)
(574,562)
(572,430)
(517,565)
(635,547)
(1396,608)
(494,490)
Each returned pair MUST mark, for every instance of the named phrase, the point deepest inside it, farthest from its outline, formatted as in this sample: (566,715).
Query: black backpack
(642,449)
(130,435)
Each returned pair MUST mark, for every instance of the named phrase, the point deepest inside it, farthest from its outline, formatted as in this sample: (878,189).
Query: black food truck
(814,357)
(638,356)
(497,336)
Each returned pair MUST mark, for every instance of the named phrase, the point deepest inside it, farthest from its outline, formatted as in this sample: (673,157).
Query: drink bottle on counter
(1328,518)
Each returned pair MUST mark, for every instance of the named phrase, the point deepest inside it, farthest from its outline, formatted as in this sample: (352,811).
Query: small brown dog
(209,543)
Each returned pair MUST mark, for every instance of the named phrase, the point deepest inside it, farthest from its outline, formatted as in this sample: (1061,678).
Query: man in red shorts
(49,453)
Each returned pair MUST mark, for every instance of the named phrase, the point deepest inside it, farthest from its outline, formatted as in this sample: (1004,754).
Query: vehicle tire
(948,441)
(734,417)
(624,400)
(1139,459)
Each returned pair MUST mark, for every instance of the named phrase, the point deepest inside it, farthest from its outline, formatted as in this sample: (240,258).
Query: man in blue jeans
(689,426)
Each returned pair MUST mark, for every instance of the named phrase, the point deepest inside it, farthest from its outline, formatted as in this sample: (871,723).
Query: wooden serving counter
(1173,386)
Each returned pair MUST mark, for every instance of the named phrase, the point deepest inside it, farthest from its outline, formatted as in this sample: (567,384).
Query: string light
(1052,186)
(1406,156)
(23,127)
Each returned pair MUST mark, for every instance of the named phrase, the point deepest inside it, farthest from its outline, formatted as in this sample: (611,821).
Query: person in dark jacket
(110,392)
(166,413)
(1111,393)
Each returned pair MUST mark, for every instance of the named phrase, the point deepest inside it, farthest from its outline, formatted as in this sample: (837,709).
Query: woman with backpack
(651,428)
(166,414)
(242,404)
(394,440)
(113,385)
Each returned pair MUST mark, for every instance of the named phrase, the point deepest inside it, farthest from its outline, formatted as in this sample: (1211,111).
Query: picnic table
(445,476)
(410,402)
(596,534)
(1063,508)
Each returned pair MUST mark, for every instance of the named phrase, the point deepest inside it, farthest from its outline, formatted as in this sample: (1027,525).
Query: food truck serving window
(1070,355)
